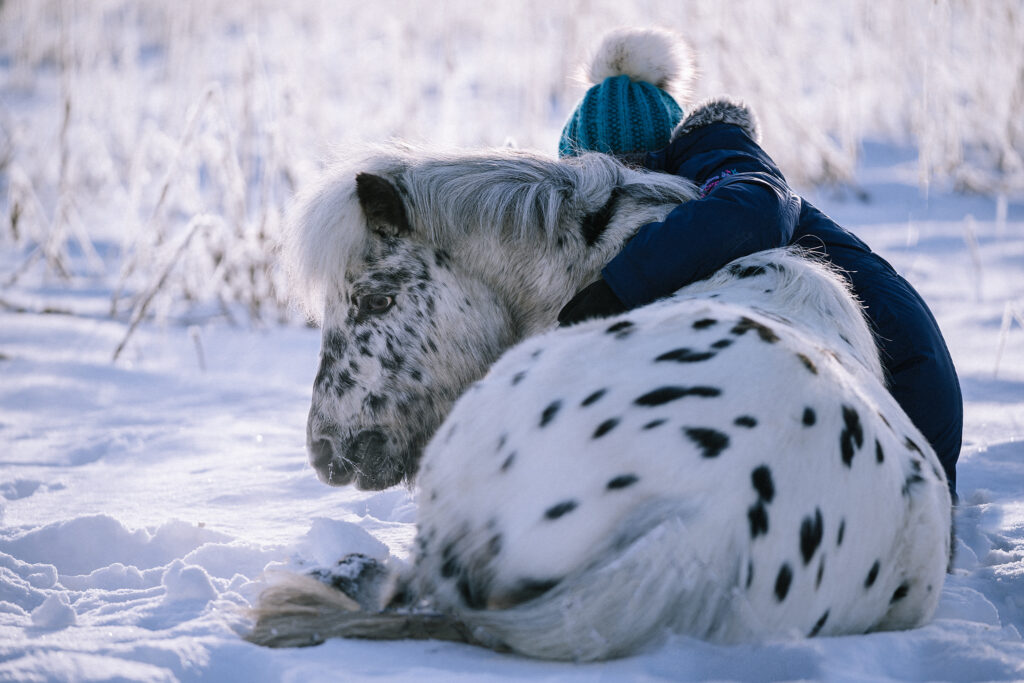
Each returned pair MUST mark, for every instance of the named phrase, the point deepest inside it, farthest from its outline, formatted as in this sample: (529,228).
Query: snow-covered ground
(141,499)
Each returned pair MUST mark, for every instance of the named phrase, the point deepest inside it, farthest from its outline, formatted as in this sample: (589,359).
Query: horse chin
(390,467)
(363,459)
(369,459)
(378,482)
(380,472)
(336,472)
(374,474)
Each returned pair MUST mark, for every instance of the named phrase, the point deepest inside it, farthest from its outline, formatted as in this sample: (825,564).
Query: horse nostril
(327,462)
(321,451)
(337,460)
(368,442)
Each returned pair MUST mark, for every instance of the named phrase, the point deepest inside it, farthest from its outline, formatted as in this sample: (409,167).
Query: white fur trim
(653,55)
(720,110)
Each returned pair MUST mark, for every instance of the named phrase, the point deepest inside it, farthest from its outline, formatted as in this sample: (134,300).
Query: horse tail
(634,595)
(297,610)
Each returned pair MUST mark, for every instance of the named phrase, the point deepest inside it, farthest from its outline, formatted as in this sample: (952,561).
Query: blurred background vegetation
(160,141)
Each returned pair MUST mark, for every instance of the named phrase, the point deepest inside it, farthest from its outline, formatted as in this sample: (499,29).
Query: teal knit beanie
(620,116)
(628,110)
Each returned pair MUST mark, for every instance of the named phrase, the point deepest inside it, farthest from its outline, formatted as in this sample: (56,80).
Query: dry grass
(163,140)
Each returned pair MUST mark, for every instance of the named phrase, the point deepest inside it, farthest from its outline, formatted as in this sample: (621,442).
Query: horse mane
(504,193)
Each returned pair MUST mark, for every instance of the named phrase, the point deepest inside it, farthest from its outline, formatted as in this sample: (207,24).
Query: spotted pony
(725,463)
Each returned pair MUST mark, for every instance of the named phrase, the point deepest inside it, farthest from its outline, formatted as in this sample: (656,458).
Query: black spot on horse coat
(758,516)
(622,481)
(621,329)
(549,413)
(563,508)
(819,625)
(872,575)
(763,331)
(663,395)
(811,531)
(685,356)
(711,441)
(852,436)
(605,427)
(782,582)
(761,478)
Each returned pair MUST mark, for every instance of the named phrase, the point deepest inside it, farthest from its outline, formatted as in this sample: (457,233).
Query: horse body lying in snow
(725,463)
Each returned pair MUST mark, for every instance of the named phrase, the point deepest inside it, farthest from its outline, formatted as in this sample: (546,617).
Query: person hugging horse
(745,206)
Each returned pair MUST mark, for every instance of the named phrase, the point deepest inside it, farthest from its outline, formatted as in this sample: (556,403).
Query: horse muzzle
(362,459)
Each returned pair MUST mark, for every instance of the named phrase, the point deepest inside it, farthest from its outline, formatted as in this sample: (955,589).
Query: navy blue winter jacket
(747,206)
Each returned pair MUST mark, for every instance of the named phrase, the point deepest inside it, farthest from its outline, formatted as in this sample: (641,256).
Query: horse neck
(535,278)
(536,231)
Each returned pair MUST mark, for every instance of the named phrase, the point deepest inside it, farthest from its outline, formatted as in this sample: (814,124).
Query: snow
(142,499)
(55,612)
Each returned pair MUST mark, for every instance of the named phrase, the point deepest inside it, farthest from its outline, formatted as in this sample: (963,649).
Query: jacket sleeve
(746,206)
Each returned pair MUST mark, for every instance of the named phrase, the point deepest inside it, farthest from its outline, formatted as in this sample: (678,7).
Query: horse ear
(382,205)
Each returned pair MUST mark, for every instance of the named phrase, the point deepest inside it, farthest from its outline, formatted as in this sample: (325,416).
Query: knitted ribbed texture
(620,116)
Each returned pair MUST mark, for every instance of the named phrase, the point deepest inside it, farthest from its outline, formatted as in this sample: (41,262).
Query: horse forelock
(326,233)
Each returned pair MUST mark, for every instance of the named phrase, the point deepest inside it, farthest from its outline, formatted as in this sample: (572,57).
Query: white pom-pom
(644,54)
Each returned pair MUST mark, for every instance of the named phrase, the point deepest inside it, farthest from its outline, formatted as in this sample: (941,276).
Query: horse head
(404,332)
(425,268)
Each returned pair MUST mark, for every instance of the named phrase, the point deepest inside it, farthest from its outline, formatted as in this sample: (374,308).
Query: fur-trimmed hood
(720,109)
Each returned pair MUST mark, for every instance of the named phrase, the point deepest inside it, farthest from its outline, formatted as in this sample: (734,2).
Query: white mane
(512,194)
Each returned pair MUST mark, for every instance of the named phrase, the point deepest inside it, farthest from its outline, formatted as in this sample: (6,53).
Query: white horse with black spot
(725,463)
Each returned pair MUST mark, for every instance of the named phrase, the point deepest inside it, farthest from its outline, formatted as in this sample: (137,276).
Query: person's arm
(746,206)
(746,215)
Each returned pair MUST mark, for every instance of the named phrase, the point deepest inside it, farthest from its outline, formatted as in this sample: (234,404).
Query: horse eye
(375,303)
